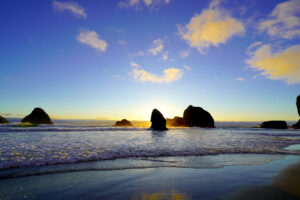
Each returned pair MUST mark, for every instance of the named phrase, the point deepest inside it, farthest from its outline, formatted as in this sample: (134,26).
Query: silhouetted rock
(176,121)
(3,120)
(158,120)
(298,104)
(274,124)
(297,125)
(196,116)
(123,122)
(37,116)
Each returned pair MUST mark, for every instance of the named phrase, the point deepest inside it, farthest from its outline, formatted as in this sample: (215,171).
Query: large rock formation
(3,120)
(297,125)
(176,121)
(158,121)
(123,122)
(298,104)
(274,124)
(196,116)
(37,116)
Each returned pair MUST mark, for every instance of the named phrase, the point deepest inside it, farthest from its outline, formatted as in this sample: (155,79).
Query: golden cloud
(213,26)
(92,39)
(74,8)
(284,21)
(169,75)
(157,47)
(284,65)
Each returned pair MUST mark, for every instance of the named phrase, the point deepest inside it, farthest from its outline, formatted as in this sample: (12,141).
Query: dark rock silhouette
(158,120)
(37,116)
(298,104)
(176,121)
(274,124)
(196,116)
(3,120)
(297,125)
(123,122)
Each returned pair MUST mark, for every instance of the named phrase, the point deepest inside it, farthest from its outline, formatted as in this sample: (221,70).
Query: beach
(72,160)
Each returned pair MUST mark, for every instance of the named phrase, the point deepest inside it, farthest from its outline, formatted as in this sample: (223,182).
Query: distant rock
(297,125)
(298,104)
(274,124)
(3,120)
(158,121)
(37,116)
(123,122)
(196,116)
(176,121)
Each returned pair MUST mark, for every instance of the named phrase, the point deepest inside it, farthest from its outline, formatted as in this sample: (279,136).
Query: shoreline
(213,182)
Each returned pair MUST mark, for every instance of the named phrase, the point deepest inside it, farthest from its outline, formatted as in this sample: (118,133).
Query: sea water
(59,148)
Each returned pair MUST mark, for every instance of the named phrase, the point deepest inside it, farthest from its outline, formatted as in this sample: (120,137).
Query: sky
(114,59)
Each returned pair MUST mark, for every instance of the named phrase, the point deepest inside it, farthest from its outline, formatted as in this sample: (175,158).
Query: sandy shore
(276,179)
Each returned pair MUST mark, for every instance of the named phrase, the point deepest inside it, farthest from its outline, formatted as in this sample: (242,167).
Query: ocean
(72,146)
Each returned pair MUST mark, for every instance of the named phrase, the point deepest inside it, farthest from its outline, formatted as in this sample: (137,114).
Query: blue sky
(115,59)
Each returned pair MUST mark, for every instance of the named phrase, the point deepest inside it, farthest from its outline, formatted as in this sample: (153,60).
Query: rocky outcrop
(274,124)
(176,121)
(3,120)
(158,121)
(297,125)
(123,122)
(298,104)
(196,116)
(38,116)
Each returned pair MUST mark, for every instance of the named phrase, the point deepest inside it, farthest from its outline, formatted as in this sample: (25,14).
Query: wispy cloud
(140,53)
(72,7)
(140,4)
(157,47)
(92,39)
(165,55)
(240,79)
(283,65)
(184,53)
(284,21)
(212,27)
(254,44)
(122,42)
(187,68)
(134,64)
(169,75)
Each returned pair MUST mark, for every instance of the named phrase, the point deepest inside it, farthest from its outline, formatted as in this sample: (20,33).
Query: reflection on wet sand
(289,179)
(164,196)
(286,185)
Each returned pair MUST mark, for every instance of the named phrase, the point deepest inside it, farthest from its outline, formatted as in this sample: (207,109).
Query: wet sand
(276,179)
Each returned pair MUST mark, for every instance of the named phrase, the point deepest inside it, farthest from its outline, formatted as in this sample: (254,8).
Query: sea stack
(196,116)
(3,120)
(176,121)
(274,124)
(123,122)
(38,116)
(158,121)
(297,125)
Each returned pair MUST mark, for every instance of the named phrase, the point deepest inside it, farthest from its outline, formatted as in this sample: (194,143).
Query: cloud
(122,42)
(140,4)
(283,22)
(91,38)
(184,53)
(240,79)
(187,68)
(283,65)
(140,53)
(165,55)
(74,8)
(254,44)
(134,64)
(212,27)
(157,47)
(169,74)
